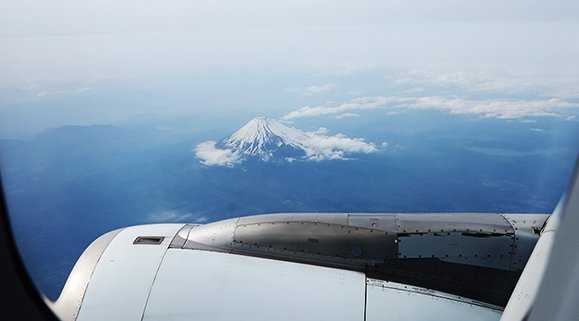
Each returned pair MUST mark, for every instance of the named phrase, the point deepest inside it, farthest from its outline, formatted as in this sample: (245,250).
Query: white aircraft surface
(430,266)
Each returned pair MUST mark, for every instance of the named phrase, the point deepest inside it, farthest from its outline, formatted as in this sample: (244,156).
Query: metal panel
(524,244)
(453,222)
(218,235)
(181,236)
(524,294)
(558,293)
(330,218)
(394,301)
(487,251)
(528,222)
(527,229)
(121,282)
(383,222)
(346,242)
(201,285)
(69,302)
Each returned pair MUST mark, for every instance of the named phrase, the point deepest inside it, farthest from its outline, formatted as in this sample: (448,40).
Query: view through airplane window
(116,113)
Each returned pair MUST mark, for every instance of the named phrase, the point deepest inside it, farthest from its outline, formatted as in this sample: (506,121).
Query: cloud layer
(312,90)
(321,147)
(546,83)
(503,109)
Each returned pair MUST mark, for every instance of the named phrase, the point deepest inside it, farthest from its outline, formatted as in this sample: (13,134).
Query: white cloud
(355,104)
(312,90)
(211,155)
(321,147)
(318,89)
(503,109)
(341,69)
(173,216)
(413,90)
(538,81)
(50,93)
(347,115)
(469,80)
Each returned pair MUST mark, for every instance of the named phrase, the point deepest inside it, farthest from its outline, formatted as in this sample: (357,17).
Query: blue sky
(69,62)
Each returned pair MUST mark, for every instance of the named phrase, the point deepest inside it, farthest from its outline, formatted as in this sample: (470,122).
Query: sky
(79,62)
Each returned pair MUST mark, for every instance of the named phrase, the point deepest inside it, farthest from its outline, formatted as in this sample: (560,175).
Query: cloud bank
(210,155)
(502,109)
(321,147)
(546,83)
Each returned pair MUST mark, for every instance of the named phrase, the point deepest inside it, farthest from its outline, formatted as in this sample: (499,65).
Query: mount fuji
(267,140)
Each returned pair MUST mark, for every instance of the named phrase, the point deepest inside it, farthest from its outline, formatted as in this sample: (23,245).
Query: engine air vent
(149,240)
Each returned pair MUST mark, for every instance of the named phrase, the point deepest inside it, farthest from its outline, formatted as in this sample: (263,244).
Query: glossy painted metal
(68,304)
(121,281)
(203,285)
(559,290)
(395,301)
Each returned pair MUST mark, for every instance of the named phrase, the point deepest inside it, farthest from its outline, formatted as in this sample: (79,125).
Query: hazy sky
(84,62)
(40,17)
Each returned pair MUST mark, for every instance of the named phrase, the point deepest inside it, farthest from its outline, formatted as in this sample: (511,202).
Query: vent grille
(149,240)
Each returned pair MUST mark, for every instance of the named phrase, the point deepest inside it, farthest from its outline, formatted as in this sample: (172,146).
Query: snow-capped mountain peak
(264,137)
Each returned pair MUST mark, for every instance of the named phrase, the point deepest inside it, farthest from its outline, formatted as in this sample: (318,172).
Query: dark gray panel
(383,222)
(330,240)
(487,251)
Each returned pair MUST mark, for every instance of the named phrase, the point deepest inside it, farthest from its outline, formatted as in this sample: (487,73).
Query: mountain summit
(267,139)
